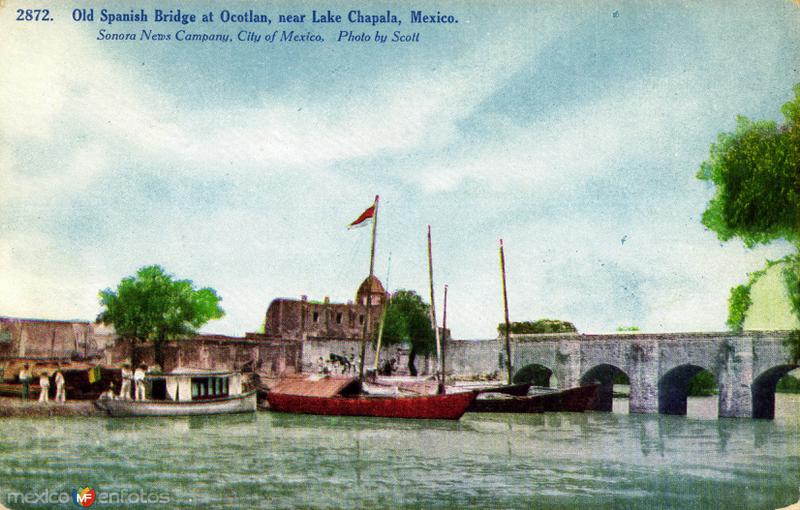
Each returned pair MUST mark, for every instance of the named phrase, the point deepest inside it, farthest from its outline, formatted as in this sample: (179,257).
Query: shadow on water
(293,421)
(178,423)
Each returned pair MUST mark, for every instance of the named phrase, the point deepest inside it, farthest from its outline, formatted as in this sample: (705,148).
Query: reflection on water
(591,460)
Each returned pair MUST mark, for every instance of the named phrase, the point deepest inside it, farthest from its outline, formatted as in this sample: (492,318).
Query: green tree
(407,322)
(153,307)
(703,384)
(756,171)
(538,327)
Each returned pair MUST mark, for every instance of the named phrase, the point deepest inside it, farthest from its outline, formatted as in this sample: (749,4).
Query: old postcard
(446,254)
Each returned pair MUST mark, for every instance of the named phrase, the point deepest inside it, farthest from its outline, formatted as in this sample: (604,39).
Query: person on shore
(44,387)
(138,381)
(127,378)
(61,393)
(25,379)
(109,393)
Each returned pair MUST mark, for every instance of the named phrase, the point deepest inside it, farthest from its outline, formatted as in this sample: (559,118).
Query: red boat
(571,400)
(342,396)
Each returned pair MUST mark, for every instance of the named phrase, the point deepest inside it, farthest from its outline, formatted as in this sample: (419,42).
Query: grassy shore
(15,407)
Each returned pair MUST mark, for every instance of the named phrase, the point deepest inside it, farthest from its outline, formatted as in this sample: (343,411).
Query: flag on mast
(367,214)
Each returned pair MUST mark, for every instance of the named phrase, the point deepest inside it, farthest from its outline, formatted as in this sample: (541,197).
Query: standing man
(25,379)
(138,381)
(127,377)
(61,394)
(44,385)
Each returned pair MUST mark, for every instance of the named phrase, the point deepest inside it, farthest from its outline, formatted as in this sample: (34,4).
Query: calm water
(592,460)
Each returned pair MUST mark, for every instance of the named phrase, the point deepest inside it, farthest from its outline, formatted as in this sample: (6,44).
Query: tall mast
(433,314)
(444,339)
(505,307)
(369,290)
(383,317)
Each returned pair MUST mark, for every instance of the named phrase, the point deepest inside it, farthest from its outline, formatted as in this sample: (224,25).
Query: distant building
(302,319)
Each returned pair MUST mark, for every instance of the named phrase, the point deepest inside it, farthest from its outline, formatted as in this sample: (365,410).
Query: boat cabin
(184,386)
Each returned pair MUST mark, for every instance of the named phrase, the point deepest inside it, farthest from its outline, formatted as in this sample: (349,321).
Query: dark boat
(343,396)
(571,400)
(517,390)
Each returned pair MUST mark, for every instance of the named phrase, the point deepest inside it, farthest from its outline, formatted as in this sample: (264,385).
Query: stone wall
(46,339)
(269,357)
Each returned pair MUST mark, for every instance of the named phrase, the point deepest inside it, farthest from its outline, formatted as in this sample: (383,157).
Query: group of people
(130,378)
(338,364)
(25,378)
(341,364)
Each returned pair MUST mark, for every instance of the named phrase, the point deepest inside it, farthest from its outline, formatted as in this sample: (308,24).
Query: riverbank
(15,407)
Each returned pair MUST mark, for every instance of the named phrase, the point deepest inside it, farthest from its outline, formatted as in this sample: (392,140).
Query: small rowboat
(342,396)
(186,394)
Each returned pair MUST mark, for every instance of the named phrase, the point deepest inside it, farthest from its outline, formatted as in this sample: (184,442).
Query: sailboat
(345,396)
(576,399)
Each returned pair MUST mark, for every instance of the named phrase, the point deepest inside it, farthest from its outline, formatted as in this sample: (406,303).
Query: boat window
(209,387)
(339,318)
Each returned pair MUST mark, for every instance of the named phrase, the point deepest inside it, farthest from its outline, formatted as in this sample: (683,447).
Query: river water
(591,460)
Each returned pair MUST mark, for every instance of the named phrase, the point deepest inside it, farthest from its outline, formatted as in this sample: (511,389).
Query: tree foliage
(703,384)
(538,327)
(738,304)
(152,306)
(756,170)
(407,321)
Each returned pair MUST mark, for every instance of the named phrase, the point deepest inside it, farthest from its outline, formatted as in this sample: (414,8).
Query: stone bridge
(746,366)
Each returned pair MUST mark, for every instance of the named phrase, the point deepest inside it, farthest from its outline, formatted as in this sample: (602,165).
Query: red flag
(362,220)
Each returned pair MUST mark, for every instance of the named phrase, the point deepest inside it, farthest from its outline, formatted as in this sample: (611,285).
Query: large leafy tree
(152,306)
(756,171)
(407,321)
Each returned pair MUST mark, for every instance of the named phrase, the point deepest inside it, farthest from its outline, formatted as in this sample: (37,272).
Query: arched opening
(606,375)
(763,390)
(681,382)
(538,375)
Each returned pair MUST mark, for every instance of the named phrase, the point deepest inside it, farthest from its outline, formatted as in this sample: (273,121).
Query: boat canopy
(188,385)
(318,386)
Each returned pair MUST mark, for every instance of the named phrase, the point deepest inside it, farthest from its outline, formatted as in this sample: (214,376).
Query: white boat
(186,394)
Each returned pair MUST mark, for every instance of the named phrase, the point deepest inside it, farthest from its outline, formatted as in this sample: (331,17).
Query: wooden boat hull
(244,403)
(424,407)
(572,400)
(517,390)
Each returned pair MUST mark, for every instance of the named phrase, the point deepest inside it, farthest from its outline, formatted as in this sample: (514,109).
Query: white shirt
(138,375)
(59,379)
(44,381)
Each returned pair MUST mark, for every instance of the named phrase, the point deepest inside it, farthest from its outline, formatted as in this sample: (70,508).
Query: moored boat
(571,400)
(343,396)
(186,394)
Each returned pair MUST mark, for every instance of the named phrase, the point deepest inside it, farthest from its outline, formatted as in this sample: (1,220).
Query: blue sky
(557,126)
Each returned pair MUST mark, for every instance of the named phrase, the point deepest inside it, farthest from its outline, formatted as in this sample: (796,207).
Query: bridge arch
(763,390)
(673,388)
(536,373)
(604,374)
